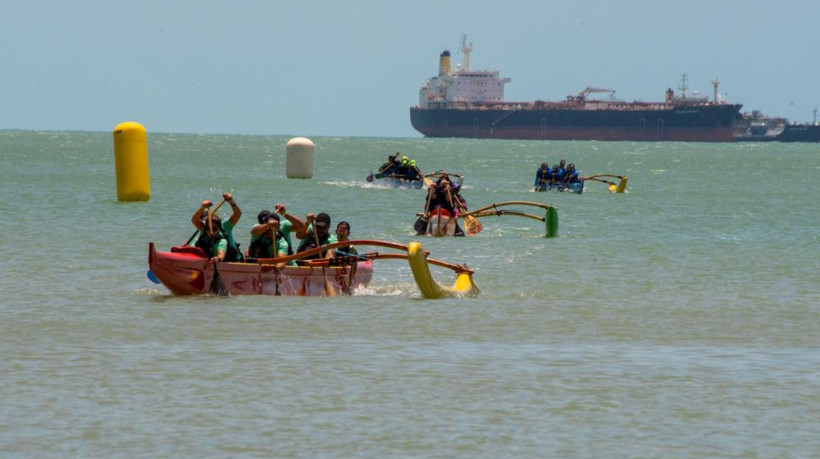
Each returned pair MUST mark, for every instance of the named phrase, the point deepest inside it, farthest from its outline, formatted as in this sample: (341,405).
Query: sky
(336,68)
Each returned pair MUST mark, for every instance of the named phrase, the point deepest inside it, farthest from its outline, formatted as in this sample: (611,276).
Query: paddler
(542,177)
(389,166)
(571,175)
(320,224)
(267,240)
(210,234)
(412,171)
(343,234)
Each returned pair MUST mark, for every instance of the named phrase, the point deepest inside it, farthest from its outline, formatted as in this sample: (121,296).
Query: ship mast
(715,84)
(814,112)
(465,48)
(683,86)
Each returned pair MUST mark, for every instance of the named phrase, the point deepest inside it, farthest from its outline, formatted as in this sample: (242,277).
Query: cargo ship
(757,127)
(470,103)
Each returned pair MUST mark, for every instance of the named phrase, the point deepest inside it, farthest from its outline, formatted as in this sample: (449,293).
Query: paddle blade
(472,225)
(370,177)
(217,286)
(420,226)
(329,289)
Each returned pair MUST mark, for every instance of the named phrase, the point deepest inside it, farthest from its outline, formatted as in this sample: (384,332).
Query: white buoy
(299,163)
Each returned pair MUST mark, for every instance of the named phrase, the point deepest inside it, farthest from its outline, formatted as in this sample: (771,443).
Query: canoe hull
(440,223)
(576,186)
(185,271)
(391,182)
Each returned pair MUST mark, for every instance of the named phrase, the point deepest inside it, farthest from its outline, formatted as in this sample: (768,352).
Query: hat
(263,216)
(322,220)
(412,162)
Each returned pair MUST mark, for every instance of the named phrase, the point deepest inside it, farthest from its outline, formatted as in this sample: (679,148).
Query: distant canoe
(575,186)
(394,181)
(438,224)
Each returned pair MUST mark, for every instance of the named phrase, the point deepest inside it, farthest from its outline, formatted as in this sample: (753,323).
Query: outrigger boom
(550,217)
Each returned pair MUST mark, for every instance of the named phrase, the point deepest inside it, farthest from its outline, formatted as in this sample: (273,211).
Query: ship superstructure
(462,87)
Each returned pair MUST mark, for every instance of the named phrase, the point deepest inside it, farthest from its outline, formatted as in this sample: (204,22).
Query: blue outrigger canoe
(575,186)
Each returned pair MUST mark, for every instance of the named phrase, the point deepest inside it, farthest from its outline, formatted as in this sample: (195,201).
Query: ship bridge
(464,85)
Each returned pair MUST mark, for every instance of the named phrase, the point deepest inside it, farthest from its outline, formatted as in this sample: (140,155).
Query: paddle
(211,214)
(217,286)
(329,290)
(192,237)
(351,276)
(426,180)
(421,224)
(471,224)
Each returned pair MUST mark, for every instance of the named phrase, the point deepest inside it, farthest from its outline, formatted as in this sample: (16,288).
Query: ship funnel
(444,64)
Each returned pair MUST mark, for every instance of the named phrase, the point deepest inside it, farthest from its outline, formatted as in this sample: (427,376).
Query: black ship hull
(800,133)
(791,133)
(701,123)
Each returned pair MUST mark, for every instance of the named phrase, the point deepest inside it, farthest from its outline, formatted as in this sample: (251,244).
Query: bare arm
(298,225)
(196,219)
(303,233)
(237,212)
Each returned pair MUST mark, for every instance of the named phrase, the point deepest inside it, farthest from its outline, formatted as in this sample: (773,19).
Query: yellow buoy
(131,162)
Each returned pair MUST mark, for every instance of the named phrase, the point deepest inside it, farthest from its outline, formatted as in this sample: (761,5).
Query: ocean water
(680,319)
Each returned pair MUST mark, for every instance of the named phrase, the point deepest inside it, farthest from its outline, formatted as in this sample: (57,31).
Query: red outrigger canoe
(186,271)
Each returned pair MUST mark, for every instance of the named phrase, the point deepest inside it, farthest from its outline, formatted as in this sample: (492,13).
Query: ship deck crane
(590,90)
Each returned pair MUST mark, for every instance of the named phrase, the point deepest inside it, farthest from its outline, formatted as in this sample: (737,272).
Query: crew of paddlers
(270,237)
(558,177)
(399,166)
(444,195)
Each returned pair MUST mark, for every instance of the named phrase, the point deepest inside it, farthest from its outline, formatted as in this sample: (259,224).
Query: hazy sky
(353,68)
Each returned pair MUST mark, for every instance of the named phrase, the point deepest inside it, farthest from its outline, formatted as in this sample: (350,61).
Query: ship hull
(712,123)
(791,133)
(800,133)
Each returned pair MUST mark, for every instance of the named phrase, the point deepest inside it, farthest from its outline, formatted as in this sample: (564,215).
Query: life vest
(208,243)
(310,243)
(262,247)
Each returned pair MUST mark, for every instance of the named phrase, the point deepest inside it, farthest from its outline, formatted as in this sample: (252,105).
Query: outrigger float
(577,186)
(186,271)
(441,223)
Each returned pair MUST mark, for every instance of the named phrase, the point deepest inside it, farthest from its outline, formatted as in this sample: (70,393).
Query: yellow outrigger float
(620,187)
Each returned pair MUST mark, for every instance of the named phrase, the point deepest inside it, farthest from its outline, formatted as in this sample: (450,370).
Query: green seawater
(679,319)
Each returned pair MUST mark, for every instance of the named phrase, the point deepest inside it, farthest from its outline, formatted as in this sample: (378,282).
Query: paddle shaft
(329,290)
(211,214)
